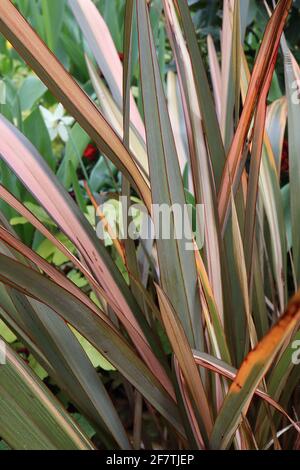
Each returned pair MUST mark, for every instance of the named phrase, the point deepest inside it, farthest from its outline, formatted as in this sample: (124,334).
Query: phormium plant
(200,339)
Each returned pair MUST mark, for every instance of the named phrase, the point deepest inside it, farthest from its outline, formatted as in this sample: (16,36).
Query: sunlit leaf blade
(250,374)
(31,418)
(177,121)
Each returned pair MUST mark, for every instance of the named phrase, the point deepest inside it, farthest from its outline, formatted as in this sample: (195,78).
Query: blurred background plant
(99,336)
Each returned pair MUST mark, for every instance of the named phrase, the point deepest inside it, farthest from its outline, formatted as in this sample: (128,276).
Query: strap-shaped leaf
(207,108)
(250,374)
(98,332)
(101,43)
(68,92)
(29,166)
(292,85)
(69,365)
(264,65)
(186,361)
(31,418)
(177,264)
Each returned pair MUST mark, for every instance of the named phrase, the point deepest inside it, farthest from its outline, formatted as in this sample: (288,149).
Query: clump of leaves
(203,340)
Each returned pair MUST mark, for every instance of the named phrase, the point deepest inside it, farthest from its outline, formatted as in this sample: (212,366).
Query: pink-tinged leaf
(256,155)
(33,50)
(101,43)
(29,166)
(186,362)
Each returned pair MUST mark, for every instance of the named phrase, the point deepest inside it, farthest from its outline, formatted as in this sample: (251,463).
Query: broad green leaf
(6,333)
(95,357)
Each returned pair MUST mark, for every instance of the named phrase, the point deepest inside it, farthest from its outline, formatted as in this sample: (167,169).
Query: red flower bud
(90,152)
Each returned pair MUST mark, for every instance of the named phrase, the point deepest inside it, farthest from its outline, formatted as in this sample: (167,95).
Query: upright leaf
(177,264)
